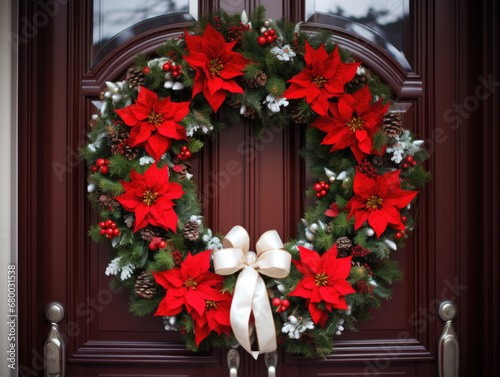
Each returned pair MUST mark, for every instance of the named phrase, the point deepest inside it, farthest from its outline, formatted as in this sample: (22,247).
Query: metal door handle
(448,351)
(53,349)
(271,363)
(233,362)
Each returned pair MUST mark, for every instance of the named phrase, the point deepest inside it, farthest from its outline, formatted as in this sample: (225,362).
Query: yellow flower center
(211,305)
(155,118)
(321,280)
(374,202)
(355,124)
(190,283)
(149,198)
(215,67)
(319,81)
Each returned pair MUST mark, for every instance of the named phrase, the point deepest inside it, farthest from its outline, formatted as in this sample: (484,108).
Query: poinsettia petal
(363,185)
(140,133)
(329,294)
(172,130)
(342,304)
(346,106)
(157,145)
(361,216)
(378,221)
(310,258)
(194,299)
(127,115)
(215,100)
(146,97)
(343,287)
(168,308)
(193,41)
(173,276)
(308,282)
(300,291)
(320,105)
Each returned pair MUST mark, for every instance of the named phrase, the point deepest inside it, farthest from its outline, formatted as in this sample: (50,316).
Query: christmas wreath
(212,288)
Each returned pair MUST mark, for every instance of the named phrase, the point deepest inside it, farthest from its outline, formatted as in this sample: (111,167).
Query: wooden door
(60,80)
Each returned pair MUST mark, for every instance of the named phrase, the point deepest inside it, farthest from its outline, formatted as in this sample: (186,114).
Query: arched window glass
(383,22)
(116,21)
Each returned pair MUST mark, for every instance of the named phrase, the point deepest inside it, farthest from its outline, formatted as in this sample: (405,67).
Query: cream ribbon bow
(250,293)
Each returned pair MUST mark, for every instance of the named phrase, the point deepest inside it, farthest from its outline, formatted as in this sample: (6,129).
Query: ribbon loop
(250,293)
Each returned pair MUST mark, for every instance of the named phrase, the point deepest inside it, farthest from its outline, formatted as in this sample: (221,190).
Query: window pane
(116,21)
(371,19)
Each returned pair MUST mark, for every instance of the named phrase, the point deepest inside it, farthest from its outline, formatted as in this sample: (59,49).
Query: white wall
(8,169)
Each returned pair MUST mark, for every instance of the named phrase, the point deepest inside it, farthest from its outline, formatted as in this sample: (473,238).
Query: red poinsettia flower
(323,282)
(216,66)
(353,123)
(189,286)
(324,77)
(154,123)
(379,201)
(215,318)
(150,196)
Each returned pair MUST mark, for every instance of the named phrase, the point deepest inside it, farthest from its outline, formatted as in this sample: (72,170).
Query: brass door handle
(53,349)
(271,359)
(448,350)
(233,362)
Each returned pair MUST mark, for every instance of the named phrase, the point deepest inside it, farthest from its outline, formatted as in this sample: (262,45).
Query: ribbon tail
(241,307)
(264,322)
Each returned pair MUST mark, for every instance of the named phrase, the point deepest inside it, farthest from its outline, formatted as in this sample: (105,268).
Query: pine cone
(297,117)
(258,81)
(329,228)
(106,202)
(385,160)
(362,77)
(144,287)
(235,102)
(392,125)
(184,165)
(249,112)
(120,144)
(135,77)
(344,246)
(191,230)
(148,233)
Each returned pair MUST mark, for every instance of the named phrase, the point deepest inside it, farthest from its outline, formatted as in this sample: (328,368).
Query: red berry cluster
(177,257)
(321,189)
(409,161)
(296,46)
(358,251)
(365,167)
(146,70)
(236,31)
(171,67)
(157,243)
(217,22)
(185,153)
(101,166)
(363,287)
(282,305)
(171,54)
(109,229)
(398,235)
(269,36)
